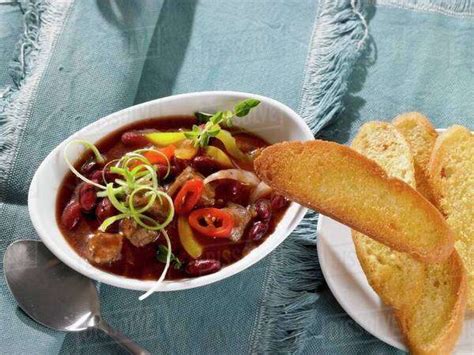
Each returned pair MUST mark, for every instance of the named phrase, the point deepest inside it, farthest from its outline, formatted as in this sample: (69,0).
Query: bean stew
(169,198)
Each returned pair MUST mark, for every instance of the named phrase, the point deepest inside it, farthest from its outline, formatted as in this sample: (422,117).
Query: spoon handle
(125,342)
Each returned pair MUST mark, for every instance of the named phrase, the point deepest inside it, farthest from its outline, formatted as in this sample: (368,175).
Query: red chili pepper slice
(212,222)
(188,196)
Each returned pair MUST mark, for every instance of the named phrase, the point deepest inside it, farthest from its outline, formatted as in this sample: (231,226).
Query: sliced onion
(261,190)
(165,270)
(241,216)
(98,156)
(243,176)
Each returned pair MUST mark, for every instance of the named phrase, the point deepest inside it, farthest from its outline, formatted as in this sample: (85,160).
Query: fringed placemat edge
(291,290)
(43,21)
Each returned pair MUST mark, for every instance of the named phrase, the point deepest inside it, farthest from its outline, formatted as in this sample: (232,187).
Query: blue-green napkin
(338,62)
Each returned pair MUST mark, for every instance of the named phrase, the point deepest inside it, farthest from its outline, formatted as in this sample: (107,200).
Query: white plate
(347,282)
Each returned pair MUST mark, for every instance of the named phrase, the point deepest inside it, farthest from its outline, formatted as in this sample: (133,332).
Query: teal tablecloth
(76,61)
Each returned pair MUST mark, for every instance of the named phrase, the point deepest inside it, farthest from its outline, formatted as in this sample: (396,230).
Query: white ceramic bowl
(271,120)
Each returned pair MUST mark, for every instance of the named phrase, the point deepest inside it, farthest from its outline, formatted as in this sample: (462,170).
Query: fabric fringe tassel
(294,274)
(291,292)
(448,7)
(42,23)
(292,286)
(338,40)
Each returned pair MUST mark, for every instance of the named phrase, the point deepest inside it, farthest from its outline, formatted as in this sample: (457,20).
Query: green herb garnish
(202,117)
(243,108)
(162,256)
(201,135)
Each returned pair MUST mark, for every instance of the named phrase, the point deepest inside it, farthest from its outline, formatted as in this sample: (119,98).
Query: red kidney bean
(110,176)
(178,165)
(238,192)
(235,188)
(71,214)
(87,197)
(279,202)
(104,210)
(96,176)
(134,139)
(205,165)
(231,191)
(263,207)
(89,167)
(203,267)
(258,230)
(162,170)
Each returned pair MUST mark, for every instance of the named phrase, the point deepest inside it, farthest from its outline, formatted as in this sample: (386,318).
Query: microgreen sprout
(211,124)
(162,254)
(136,176)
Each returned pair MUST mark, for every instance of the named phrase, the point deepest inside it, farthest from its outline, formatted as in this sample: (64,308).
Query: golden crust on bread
(433,324)
(341,183)
(428,300)
(452,178)
(396,277)
(384,144)
(421,137)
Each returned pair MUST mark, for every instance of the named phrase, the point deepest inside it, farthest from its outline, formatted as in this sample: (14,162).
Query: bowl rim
(293,215)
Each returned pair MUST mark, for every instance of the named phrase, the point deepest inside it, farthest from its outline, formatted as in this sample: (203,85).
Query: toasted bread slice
(433,324)
(396,277)
(452,177)
(421,136)
(428,300)
(343,184)
(382,143)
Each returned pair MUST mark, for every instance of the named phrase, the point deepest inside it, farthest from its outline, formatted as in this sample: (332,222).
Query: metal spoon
(53,294)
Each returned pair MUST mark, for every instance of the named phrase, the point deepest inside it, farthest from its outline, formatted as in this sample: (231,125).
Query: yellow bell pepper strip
(231,145)
(163,139)
(186,150)
(187,238)
(219,156)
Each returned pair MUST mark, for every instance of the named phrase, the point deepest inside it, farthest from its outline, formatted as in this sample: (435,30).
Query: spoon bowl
(53,294)
(69,301)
